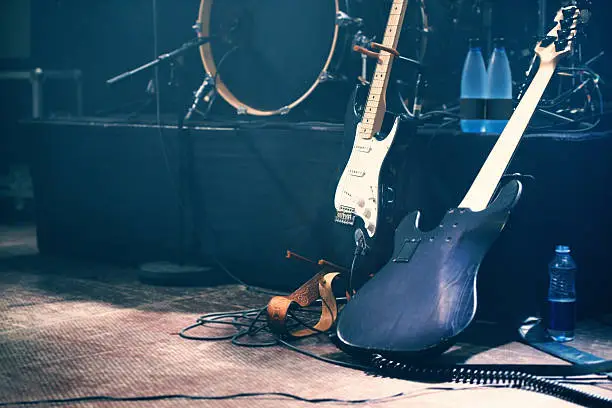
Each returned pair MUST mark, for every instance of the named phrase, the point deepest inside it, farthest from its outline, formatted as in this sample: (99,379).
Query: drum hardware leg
(418,99)
(209,98)
(361,40)
(364,70)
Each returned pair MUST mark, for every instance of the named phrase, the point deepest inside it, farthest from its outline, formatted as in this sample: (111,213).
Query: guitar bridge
(346,216)
(356,173)
(363,148)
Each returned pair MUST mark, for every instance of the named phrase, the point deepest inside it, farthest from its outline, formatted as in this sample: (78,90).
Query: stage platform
(106,189)
(80,330)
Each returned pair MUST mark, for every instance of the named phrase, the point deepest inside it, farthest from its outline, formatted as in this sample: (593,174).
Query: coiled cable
(511,378)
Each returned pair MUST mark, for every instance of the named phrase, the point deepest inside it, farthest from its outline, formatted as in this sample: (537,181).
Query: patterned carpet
(72,329)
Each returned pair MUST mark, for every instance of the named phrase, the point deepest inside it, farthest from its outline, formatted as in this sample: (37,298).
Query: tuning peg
(547,41)
(566,23)
(561,45)
(569,13)
(564,34)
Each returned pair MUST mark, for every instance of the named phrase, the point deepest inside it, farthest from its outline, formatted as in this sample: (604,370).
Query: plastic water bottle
(499,89)
(473,90)
(562,295)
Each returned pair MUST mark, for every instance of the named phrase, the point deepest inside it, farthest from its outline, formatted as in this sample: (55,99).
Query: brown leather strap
(329,308)
(319,286)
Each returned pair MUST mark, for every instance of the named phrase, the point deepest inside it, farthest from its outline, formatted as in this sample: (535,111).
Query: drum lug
(344,20)
(242,110)
(197,27)
(362,40)
(284,110)
(325,76)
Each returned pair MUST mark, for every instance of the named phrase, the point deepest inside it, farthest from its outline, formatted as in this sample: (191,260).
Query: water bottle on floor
(473,90)
(499,89)
(562,295)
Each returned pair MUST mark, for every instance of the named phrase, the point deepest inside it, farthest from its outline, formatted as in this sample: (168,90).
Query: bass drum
(268,56)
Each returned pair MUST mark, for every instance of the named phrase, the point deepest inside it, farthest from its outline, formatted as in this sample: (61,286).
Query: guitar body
(425,296)
(378,163)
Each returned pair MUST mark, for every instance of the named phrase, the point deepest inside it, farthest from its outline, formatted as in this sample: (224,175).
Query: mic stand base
(183,273)
(170,274)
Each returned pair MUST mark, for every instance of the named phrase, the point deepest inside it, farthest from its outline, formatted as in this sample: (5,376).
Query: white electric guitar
(362,190)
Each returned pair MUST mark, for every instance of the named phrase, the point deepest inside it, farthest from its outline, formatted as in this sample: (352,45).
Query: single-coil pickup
(363,149)
(357,173)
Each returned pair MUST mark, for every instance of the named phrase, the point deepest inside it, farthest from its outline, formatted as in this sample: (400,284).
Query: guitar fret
(377,83)
(374,106)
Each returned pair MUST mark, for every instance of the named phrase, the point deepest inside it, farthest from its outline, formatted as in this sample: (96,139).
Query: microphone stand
(166,272)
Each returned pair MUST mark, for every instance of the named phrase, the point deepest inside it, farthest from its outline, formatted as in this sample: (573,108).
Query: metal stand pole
(542,18)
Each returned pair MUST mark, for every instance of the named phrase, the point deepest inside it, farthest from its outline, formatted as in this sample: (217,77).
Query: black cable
(352,270)
(204,398)
(506,375)
(324,359)
(511,378)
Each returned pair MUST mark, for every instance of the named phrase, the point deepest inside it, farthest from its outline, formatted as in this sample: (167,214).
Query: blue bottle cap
(562,249)
(474,42)
(499,42)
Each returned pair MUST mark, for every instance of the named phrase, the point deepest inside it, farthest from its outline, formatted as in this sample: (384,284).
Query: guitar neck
(374,111)
(484,186)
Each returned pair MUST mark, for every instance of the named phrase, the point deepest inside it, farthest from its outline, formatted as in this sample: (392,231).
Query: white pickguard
(357,192)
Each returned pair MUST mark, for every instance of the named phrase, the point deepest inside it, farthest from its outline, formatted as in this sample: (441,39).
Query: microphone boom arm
(170,56)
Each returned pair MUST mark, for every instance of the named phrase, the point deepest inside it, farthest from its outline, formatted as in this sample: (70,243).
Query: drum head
(268,54)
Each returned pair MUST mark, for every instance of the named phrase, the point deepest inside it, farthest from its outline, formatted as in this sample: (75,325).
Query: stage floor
(70,329)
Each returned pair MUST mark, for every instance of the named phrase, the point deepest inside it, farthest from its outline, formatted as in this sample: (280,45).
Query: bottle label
(561,315)
(499,109)
(473,109)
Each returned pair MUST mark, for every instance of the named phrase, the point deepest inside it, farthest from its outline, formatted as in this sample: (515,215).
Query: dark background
(106,37)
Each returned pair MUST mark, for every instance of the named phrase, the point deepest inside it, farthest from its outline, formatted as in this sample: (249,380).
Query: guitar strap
(318,287)
(534,334)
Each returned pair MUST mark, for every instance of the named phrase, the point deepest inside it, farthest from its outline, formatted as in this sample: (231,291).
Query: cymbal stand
(568,107)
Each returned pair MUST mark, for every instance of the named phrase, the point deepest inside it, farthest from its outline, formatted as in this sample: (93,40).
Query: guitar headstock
(562,38)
